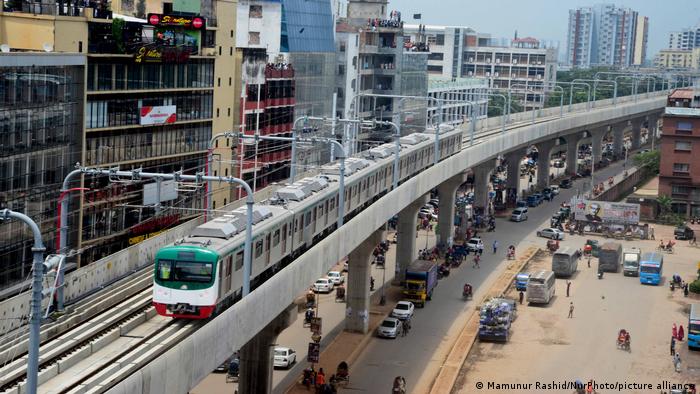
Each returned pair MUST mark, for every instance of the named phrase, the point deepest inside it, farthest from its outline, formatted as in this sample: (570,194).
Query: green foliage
(141,9)
(118,33)
(496,106)
(664,202)
(694,286)
(649,160)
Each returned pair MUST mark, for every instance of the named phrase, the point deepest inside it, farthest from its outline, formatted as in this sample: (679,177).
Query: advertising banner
(158,115)
(605,212)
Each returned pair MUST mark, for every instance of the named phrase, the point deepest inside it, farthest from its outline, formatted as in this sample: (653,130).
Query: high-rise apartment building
(677,59)
(153,90)
(605,35)
(685,39)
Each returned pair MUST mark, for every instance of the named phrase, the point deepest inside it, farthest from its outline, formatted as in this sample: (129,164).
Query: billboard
(158,115)
(605,211)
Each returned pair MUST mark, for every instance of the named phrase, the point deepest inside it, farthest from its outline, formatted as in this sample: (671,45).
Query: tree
(118,33)
(141,9)
(496,106)
(649,160)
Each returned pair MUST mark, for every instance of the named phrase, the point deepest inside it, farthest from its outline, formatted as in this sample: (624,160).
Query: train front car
(185,282)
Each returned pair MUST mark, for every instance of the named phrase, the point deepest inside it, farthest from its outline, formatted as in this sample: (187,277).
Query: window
(239,260)
(676,189)
(341,69)
(308,219)
(255,11)
(437,69)
(276,238)
(435,56)
(681,167)
(683,145)
(440,39)
(258,248)
(253,38)
(684,126)
(342,46)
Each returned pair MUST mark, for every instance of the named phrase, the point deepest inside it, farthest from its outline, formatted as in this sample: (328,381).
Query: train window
(267,242)
(239,260)
(258,248)
(308,218)
(320,211)
(227,267)
(284,231)
(276,238)
(332,204)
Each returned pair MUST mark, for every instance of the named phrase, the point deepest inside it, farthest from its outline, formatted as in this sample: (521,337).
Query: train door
(267,249)
(225,270)
(326,215)
(313,221)
(283,248)
(306,228)
(299,229)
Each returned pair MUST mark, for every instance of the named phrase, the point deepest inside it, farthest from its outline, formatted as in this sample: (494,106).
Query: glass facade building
(41,128)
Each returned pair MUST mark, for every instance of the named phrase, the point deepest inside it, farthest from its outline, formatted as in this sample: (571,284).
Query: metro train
(200,275)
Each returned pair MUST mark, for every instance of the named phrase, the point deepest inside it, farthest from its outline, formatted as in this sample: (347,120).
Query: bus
(694,327)
(540,287)
(650,268)
(565,261)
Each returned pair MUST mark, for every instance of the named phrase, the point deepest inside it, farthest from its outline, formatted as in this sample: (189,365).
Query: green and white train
(201,274)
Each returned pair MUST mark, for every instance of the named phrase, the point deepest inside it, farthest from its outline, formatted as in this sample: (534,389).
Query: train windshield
(184,271)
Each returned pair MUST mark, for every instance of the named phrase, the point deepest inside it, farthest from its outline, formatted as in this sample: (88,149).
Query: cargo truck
(421,279)
(610,256)
(630,261)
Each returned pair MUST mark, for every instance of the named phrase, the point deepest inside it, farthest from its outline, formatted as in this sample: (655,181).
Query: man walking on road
(571,310)
(476,261)
(568,287)
(495,246)
(673,346)
(521,295)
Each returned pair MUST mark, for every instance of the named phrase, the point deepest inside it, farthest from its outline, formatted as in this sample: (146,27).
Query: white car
(284,357)
(336,277)
(555,189)
(475,244)
(323,285)
(551,233)
(389,328)
(403,310)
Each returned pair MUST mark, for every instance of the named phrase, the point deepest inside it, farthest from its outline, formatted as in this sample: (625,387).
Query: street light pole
(35,308)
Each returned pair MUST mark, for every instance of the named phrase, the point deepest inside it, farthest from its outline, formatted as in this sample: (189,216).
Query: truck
(495,319)
(630,261)
(609,257)
(421,279)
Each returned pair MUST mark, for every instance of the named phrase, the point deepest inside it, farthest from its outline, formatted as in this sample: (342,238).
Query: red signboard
(187,22)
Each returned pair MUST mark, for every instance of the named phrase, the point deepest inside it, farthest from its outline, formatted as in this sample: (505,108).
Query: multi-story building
(679,172)
(41,137)
(156,90)
(605,35)
(458,94)
(677,59)
(685,39)
(526,67)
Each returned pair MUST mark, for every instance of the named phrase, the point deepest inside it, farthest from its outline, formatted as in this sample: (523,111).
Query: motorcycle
(467,292)
(511,255)
(308,316)
(443,271)
(600,274)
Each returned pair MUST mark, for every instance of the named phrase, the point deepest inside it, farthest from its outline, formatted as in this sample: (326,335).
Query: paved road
(411,356)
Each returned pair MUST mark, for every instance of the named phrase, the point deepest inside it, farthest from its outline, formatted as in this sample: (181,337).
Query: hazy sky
(545,19)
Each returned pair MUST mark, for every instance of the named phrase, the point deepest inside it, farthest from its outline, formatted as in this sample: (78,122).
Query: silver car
(389,328)
(403,310)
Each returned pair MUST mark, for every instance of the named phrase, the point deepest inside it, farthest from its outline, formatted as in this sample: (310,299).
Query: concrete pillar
(543,158)
(406,236)
(652,127)
(597,144)
(513,160)
(446,207)
(482,172)
(618,131)
(256,356)
(357,294)
(636,133)
(572,153)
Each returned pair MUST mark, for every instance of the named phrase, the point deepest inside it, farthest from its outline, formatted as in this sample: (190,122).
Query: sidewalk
(348,346)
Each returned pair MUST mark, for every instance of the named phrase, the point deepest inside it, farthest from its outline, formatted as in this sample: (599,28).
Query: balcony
(93,9)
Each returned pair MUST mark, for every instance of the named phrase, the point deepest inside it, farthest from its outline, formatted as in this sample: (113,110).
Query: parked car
(555,189)
(565,183)
(323,285)
(284,357)
(551,233)
(533,200)
(336,277)
(683,232)
(225,366)
(519,214)
(521,204)
(389,328)
(499,206)
(474,244)
(403,310)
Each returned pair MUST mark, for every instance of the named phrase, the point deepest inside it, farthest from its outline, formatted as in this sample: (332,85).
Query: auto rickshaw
(594,247)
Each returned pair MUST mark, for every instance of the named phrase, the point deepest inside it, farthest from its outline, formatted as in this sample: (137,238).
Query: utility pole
(35,307)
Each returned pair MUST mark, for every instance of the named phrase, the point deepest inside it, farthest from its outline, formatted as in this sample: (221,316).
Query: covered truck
(421,279)
(495,319)
(610,257)
(630,261)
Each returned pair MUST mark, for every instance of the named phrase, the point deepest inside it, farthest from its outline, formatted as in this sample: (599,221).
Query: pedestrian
(495,246)
(674,331)
(685,290)
(651,233)
(673,346)
(320,378)
(404,330)
(476,261)
(681,333)
(481,249)
(589,261)
(521,295)
(694,241)
(571,310)
(568,287)
(677,362)
(407,325)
